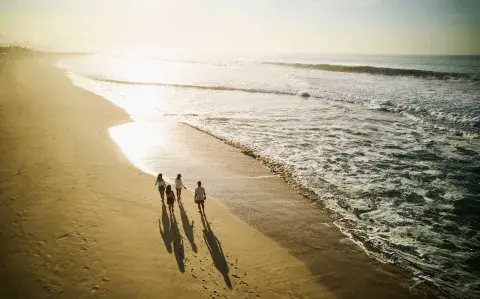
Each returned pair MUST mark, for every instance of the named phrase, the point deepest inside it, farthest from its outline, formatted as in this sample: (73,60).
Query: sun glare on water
(136,140)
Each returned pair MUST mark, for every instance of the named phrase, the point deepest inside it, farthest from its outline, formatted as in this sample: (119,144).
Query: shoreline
(274,208)
(79,220)
(254,208)
(406,282)
(291,279)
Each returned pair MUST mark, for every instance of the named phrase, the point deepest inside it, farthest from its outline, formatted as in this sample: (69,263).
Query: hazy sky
(328,26)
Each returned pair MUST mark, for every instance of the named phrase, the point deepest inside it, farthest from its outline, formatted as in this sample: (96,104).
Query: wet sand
(265,201)
(77,219)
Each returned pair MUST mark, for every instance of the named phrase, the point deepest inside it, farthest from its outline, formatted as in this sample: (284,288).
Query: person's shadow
(187,227)
(164,226)
(215,248)
(177,243)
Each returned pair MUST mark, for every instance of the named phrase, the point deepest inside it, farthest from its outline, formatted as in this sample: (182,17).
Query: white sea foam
(402,186)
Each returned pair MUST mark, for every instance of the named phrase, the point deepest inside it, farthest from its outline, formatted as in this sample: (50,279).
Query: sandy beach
(79,220)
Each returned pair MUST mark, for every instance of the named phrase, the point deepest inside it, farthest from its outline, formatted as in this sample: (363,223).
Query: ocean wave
(393,224)
(193,86)
(465,131)
(412,186)
(462,124)
(381,71)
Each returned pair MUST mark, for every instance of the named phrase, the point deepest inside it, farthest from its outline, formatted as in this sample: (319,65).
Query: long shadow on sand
(164,226)
(187,227)
(171,236)
(215,248)
(177,240)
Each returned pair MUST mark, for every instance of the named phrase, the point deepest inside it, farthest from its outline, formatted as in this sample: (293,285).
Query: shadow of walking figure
(165,232)
(171,235)
(187,227)
(215,248)
(177,243)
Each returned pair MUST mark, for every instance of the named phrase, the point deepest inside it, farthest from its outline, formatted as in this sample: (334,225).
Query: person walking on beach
(200,197)
(170,198)
(179,185)
(161,186)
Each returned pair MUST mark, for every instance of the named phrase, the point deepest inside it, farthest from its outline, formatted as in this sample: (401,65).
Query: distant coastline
(16,50)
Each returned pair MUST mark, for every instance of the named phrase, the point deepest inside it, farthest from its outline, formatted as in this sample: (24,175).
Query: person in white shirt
(179,185)
(161,185)
(200,197)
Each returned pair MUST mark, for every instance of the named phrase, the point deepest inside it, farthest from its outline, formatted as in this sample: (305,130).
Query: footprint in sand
(95,289)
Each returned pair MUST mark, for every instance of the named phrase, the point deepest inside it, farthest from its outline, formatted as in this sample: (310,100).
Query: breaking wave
(462,124)
(381,153)
(381,71)
(204,87)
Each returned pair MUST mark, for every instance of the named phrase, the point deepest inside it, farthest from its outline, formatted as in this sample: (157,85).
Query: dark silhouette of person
(170,198)
(161,185)
(200,197)
(178,186)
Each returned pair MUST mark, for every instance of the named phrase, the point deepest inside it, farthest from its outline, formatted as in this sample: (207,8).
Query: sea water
(389,145)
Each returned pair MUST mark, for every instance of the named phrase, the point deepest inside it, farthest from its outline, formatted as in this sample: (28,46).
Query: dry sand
(78,220)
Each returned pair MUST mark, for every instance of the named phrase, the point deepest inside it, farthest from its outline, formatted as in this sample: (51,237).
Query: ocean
(388,145)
